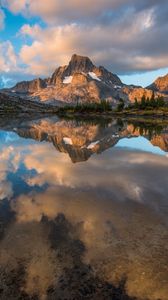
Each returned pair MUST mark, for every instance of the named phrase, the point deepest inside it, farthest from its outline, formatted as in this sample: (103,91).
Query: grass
(104,108)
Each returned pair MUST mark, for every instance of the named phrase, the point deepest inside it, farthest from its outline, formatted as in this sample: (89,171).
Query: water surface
(83,209)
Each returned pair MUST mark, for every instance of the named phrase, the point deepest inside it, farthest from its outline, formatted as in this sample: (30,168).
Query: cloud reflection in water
(115,205)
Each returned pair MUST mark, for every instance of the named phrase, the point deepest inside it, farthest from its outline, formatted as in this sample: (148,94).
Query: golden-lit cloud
(8,59)
(54,11)
(121,35)
(61,41)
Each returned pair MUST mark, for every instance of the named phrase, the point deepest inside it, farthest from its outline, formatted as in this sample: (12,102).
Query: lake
(83,209)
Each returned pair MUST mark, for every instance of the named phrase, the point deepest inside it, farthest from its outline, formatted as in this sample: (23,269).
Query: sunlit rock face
(82,81)
(79,64)
(160,84)
(30,86)
(92,230)
(83,65)
(137,93)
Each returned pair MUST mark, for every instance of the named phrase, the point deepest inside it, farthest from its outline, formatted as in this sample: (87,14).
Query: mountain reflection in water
(77,225)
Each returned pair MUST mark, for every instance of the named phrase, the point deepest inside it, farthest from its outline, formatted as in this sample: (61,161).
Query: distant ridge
(160,84)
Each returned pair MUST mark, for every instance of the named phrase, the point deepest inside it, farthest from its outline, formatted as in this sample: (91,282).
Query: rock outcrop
(137,93)
(160,85)
(79,64)
(30,86)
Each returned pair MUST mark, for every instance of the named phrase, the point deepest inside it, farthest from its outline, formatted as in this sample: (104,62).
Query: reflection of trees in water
(102,121)
(145,128)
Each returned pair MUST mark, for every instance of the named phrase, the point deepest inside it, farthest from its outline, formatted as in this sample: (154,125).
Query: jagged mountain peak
(79,63)
(77,58)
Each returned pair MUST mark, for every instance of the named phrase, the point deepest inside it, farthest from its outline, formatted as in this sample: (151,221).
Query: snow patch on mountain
(92,145)
(67,79)
(67,141)
(94,76)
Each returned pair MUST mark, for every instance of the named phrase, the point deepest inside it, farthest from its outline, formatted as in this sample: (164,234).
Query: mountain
(84,66)
(79,81)
(160,85)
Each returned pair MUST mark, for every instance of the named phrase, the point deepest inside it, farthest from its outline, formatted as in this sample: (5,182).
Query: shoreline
(137,114)
(125,114)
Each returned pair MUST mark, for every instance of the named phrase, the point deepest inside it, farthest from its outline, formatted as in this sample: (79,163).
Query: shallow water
(83,209)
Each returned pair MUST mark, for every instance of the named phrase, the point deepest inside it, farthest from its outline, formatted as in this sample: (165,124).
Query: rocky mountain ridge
(79,81)
(14,104)
(160,85)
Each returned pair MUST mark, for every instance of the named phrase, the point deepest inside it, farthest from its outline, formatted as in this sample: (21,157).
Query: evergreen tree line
(103,106)
(147,103)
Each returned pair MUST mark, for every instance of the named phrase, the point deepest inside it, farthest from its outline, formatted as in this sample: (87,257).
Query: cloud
(8,58)
(124,47)
(125,36)
(2,18)
(56,11)
(15,6)
(11,69)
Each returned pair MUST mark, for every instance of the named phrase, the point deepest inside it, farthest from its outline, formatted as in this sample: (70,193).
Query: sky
(128,37)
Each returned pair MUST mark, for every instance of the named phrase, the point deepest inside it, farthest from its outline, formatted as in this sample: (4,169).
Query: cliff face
(160,84)
(137,93)
(30,86)
(83,65)
(79,64)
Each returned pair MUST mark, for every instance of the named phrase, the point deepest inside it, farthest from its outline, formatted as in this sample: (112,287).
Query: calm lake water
(83,209)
